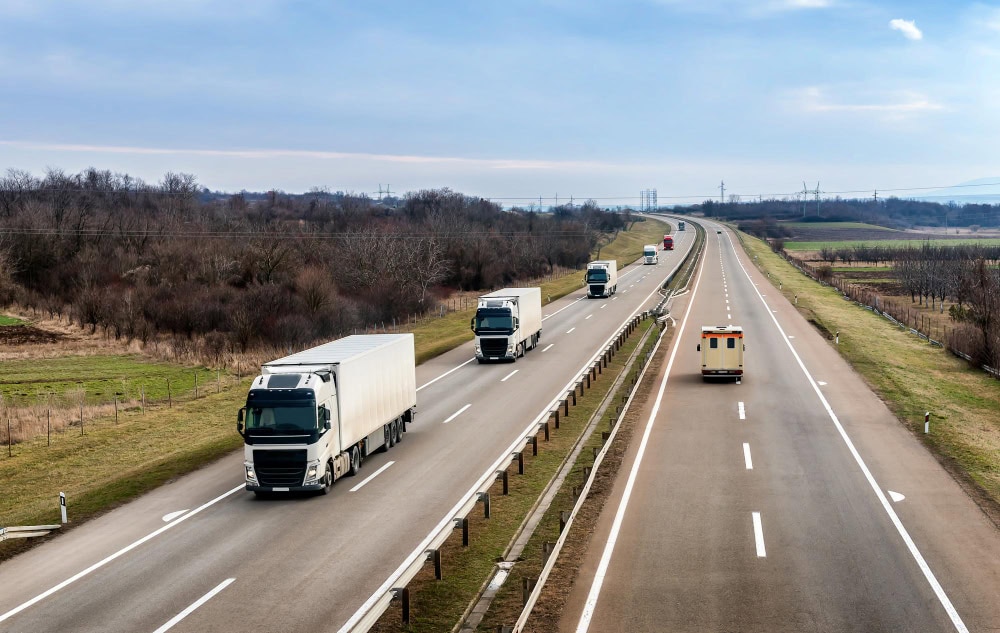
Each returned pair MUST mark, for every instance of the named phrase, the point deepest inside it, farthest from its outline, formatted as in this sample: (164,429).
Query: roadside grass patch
(9,320)
(816,246)
(909,375)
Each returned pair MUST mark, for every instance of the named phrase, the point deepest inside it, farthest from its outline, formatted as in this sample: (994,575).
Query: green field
(815,246)
(97,379)
(8,320)
(835,225)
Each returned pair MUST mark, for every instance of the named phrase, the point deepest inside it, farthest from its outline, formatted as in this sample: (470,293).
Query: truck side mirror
(239,421)
(517,323)
(472,324)
(699,347)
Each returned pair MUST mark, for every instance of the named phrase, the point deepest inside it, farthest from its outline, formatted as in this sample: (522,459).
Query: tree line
(139,260)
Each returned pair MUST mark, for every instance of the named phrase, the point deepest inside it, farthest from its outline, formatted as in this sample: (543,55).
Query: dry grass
(908,374)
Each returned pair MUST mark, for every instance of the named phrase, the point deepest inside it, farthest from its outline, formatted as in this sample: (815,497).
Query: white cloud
(907,27)
(812,99)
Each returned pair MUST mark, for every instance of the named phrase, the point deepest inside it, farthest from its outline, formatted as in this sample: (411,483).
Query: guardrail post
(565,403)
(588,377)
(580,385)
(534,445)
(463,523)
(573,395)
(545,427)
(485,498)
(547,551)
(586,472)
(502,476)
(435,555)
(605,436)
(596,449)
(527,584)
(563,520)
(404,597)
(520,462)
(62,506)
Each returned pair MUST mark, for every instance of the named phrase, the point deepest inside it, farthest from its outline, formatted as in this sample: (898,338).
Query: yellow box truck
(721,350)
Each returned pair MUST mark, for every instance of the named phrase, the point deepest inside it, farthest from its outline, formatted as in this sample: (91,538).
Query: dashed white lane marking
(453,369)
(570,330)
(167,518)
(548,347)
(820,383)
(746,456)
(504,379)
(729,316)
(743,411)
(604,305)
(588,316)
(613,299)
(119,553)
(791,336)
(896,497)
(758,535)
(197,603)
(457,413)
(727,300)
(371,476)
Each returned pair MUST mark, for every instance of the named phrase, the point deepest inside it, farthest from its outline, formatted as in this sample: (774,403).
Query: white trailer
(313,417)
(508,323)
(650,255)
(602,278)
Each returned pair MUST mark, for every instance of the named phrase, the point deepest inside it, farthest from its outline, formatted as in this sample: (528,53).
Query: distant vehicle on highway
(508,323)
(668,243)
(649,254)
(718,231)
(721,350)
(312,417)
(602,278)
(680,226)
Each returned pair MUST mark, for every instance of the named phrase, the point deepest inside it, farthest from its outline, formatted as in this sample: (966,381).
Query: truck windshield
(649,252)
(287,417)
(494,320)
(597,276)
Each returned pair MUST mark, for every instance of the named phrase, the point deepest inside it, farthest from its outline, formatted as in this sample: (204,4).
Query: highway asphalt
(202,554)
(792,501)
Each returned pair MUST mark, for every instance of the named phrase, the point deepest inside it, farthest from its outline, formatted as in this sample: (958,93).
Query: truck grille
(493,346)
(597,291)
(280,468)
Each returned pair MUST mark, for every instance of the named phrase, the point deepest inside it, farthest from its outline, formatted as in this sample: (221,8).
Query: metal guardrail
(26,531)
(395,585)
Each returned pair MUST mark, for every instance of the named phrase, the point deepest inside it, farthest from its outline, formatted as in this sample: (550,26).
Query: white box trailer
(721,350)
(650,255)
(508,323)
(602,278)
(313,417)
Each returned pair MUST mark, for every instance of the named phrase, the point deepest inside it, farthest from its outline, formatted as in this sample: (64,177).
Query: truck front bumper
(306,488)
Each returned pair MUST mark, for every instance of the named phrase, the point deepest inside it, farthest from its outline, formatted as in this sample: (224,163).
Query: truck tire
(400,428)
(355,462)
(386,438)
(327,479)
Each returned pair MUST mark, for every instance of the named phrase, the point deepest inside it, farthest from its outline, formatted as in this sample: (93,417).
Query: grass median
(436,605)
(910,376)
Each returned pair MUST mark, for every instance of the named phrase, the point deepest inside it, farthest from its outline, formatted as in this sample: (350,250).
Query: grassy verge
(435,336)
(909,375)
(438,605)
(9,320)
(110,463)
(815,246)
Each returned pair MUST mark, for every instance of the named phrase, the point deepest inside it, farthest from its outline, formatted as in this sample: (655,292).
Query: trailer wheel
(355,462)
(400,428)
(386,438)
(327,479)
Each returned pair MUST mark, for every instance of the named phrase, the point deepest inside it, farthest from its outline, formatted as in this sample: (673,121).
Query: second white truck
(508,323)
(602,278)
(312,417)
(650,254)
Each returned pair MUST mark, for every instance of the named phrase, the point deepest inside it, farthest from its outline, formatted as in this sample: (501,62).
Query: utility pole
(876,197)
(722,192)
(805,192)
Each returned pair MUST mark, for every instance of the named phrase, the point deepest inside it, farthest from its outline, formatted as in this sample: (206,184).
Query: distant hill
(979,191)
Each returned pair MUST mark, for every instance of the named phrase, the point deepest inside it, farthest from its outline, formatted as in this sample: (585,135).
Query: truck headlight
(251,475)
(312,471)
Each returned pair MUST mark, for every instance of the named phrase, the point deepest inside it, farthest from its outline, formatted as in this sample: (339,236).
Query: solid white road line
(504,379)
(548,347)
(200,601)
(956,619)
(453,369)
(602,568)
(743,411)
(570,330)
(371,476)
(746,456)
(121,552)
(457,413)
(758,535)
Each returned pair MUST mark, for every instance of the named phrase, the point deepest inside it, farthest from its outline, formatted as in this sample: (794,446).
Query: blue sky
(581,98)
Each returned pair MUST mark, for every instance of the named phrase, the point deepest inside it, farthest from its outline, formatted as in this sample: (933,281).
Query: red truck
(668,243)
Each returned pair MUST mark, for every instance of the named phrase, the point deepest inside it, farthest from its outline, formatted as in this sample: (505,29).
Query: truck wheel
(327,479)
(386,438)
(400,428)
(355,462)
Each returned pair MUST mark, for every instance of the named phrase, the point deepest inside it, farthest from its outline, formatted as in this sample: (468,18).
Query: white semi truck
(313,417)
(650,255)
(508,323)
(602,278)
